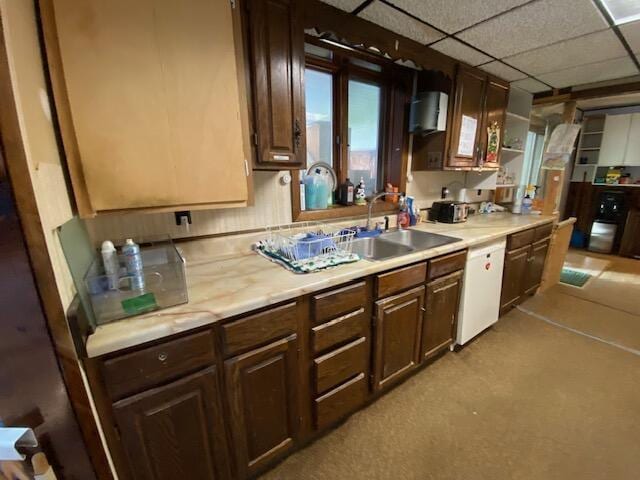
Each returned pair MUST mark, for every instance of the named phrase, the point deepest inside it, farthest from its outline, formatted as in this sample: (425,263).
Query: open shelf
(590,149)
(593,133)
(506,185)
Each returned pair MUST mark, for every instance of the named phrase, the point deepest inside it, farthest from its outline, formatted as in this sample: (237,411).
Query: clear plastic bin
(164,278)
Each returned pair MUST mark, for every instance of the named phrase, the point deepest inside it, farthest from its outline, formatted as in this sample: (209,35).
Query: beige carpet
(526,400)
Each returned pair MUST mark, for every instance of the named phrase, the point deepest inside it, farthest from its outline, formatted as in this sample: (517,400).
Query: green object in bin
(142,303)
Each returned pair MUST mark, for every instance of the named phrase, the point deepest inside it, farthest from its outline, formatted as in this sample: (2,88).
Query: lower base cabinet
(290,371)
(262,396)
(523,265)
(176,430)
(440,318)
(397,324)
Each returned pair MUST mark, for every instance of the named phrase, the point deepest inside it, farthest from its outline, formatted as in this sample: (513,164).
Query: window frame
(342,70)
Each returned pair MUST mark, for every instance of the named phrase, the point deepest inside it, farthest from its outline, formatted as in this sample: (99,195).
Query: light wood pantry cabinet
(151,102)
(276,40)
(480,101)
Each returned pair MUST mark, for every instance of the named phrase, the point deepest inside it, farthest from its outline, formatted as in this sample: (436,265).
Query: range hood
(428,112)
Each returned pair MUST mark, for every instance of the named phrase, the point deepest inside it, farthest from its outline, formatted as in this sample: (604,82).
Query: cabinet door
(464,147)
(276,33)
(614,140)
(495,111)
(398,322)
(535,266)
(632,154)
(630,244)
(262,393)
(145,124)
(442,303)
(175,431)
(515,269)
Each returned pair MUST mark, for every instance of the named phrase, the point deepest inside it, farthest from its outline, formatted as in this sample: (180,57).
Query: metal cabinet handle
(163,357)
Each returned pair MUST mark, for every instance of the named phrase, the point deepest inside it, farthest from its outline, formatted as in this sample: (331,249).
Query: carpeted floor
(526,400)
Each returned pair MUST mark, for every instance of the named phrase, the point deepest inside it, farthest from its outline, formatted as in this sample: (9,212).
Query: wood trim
(63,109)
(596,92)
(26,205)
(357,31)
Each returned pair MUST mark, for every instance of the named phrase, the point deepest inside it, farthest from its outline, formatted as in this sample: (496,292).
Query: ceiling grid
(538,45)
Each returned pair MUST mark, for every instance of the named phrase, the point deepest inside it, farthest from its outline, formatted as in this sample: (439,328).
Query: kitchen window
(350,122)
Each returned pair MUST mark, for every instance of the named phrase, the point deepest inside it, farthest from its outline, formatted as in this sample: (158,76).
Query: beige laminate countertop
(221,288)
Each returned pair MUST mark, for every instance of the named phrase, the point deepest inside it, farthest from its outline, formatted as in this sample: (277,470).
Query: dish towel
(306,265)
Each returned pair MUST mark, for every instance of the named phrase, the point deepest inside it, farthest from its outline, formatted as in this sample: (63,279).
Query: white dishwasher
(480,303)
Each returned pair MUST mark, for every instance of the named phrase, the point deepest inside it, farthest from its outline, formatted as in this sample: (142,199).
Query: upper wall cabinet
(480,103)
(620,141)
(276,41)
(151,101)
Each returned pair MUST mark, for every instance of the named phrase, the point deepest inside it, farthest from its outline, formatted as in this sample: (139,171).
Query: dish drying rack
(309,242)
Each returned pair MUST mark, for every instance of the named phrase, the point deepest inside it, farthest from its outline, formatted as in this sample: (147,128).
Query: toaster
(449,212)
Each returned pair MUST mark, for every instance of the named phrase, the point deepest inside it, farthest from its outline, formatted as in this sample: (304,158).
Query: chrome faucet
(373,199)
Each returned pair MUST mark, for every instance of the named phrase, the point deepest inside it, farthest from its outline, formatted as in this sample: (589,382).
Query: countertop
(220,288)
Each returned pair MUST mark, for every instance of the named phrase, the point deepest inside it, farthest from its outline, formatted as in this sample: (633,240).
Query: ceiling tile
(590,48)
(531,85)
(592,72)
(452,16)
(503,71)
(346,5)
(459,50)
(396,21)
(631,32)
(534,25)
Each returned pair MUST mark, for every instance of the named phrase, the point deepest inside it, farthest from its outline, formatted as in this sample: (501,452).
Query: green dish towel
(574,277)
(307,265)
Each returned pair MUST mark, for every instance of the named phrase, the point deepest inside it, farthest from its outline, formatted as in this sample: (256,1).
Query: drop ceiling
(537,45)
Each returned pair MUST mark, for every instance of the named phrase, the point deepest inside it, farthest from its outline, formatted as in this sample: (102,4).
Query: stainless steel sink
(397,243)
(417,239)
(379,249)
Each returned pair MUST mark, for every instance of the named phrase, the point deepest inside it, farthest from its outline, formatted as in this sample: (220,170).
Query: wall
(426,187)
(45,166)
(272,206)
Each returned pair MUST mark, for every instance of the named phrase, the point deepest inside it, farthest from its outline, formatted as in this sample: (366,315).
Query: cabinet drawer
(259,328)
(447,264)
(331,304)
(339,330)
(520,239)
(142,369)
(339,365)
(341,401)
(400,279)
(543,231)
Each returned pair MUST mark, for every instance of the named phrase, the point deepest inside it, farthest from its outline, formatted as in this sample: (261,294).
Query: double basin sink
(397,243)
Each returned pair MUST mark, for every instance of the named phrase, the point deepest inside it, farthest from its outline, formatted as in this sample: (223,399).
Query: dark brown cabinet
(630,244)
(176,430)
(495,111)
(467,111)
(480,101)
(523,265)
(262,395)
(276,43)
(535,266)
(439,325)
(398,320)
(515,269)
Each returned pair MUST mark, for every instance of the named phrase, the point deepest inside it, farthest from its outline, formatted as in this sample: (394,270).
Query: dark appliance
(449,212)
(605,226)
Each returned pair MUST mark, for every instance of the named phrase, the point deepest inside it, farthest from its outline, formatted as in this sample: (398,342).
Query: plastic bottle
(360,196)
(133,262)
(111,263)
(403,215)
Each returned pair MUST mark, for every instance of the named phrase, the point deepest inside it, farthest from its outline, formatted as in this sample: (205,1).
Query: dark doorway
(32,392)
